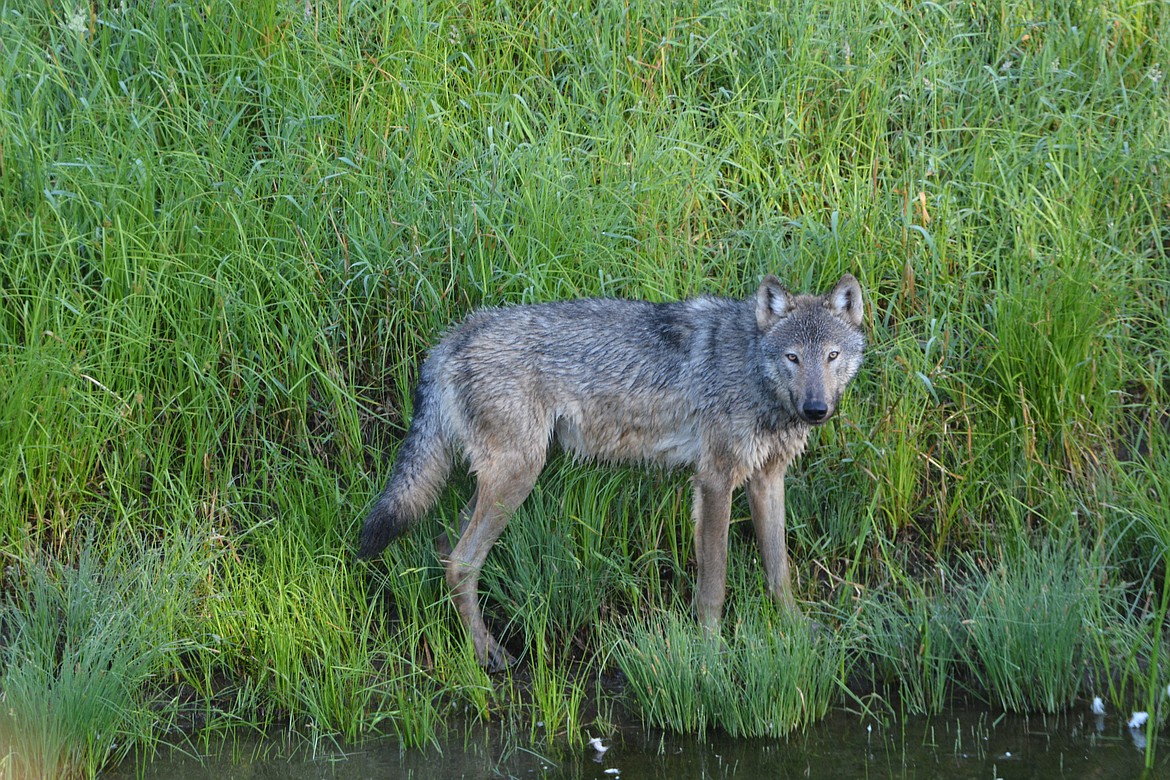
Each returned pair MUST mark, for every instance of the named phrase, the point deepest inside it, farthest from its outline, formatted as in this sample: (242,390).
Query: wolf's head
(812,345)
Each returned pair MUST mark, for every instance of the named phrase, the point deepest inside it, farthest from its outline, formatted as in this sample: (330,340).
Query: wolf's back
(420,471)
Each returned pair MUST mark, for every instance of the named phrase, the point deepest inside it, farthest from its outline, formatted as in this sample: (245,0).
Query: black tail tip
(368,548)
(380,528)
(374,540)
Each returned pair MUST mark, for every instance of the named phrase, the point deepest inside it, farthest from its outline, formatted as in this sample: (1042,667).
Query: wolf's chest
(762,447)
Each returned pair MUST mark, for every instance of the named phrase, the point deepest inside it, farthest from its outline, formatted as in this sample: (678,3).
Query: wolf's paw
(494,658)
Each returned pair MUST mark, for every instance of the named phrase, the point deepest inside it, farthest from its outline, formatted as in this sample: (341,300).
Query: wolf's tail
(420,471)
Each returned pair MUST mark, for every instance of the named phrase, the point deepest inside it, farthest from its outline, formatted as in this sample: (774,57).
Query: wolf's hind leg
(502,487)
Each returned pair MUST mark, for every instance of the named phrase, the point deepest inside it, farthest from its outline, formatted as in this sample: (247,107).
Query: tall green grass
(1033,630)
(82,647)
(230,231)
(911,642)
(773,673)
(1027,627)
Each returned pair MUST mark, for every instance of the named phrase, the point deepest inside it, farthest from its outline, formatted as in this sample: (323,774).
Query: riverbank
(230,232)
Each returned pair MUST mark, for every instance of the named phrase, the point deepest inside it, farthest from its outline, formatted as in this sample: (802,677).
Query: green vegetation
(773,674)
(230,231)
(84,644)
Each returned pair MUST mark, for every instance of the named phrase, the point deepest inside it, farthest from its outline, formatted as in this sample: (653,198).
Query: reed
(81,647)
(1026,619)
(769,675)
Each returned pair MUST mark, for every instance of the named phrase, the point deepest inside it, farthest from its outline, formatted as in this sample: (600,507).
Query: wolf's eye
(792,358)
(833,355)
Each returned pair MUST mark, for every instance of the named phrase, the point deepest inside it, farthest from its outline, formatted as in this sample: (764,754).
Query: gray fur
(728,388)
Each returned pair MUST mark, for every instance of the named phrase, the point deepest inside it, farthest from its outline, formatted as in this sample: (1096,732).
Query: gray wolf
(729,388)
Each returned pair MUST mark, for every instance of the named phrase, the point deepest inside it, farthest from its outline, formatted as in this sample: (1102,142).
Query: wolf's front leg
(765,492)
(712,515)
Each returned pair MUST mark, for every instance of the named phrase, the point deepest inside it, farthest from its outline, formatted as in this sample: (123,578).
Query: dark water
(960,745)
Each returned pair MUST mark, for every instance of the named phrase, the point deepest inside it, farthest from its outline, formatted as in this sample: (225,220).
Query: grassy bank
(229,232)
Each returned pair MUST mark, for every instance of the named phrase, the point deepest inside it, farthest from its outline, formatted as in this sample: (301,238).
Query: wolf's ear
(844,300)
(773,302)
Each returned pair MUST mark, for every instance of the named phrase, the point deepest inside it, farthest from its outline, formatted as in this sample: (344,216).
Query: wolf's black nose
(815,410)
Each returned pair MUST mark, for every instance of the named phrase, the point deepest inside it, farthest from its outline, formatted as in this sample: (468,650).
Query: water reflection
(961,745)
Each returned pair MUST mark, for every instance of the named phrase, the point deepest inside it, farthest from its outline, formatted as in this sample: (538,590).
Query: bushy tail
(419,473)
